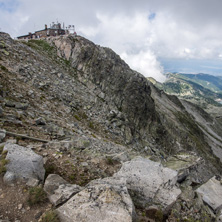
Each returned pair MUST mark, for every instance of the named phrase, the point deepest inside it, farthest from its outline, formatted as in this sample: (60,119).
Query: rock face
(59,190)
(149,182)
(23,163)
(114,81)
(102,200)
(211,193)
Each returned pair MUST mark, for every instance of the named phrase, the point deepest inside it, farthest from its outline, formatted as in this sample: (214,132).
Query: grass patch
(110,161)
(3,161)
(72,177)
(40,44)
(36,196)
(81,115)
(43,46)
(3,68)
(77,117)
(1,148)
(91,125)
(50,216)
(50,169)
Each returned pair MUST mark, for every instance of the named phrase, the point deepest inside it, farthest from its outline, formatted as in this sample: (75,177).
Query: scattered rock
(20,206)
(9,103)
(211,193)
(22,106)
(84,164)
(82,143)
(149,181)
(24,163)
(45,154)
(61,145)
(104,200)
(120,157)
(40,121)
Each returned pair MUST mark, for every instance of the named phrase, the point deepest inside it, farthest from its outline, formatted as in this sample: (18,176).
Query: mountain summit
(82,107)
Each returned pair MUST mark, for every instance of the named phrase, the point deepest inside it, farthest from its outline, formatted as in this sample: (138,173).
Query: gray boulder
(2,135)
(23,163)
(22,106)
(149,182)
(52,182)
(211,193)
(104,200)
(61,145)
(40,121)
(59,190)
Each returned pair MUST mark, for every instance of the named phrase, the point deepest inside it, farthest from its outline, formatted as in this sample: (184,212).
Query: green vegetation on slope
(192,88)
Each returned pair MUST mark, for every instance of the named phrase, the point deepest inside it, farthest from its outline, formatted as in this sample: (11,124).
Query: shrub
(36,196)
(50,216)
(109,161)
(3,161)
(91,125)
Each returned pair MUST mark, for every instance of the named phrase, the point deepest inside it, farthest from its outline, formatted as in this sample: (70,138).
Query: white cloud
(131,37)
(145,63)
(178,29)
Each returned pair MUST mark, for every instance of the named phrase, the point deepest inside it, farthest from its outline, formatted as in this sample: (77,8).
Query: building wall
(43,33)
(49,32)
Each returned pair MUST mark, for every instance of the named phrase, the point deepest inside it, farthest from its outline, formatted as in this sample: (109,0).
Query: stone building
(54,30)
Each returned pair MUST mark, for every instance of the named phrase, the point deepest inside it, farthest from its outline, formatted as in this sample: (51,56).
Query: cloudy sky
(152,36)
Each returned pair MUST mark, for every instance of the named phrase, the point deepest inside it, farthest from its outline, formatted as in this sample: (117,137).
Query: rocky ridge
(87,113)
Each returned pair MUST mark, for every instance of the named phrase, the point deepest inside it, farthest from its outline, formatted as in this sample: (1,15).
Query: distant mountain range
(202,89)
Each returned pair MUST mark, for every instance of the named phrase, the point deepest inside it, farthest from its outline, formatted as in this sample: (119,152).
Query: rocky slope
(87,113)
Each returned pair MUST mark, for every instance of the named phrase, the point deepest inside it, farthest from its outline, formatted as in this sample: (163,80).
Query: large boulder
(104,200)
(23,163)
(149,182)
(211,193)
(59,190)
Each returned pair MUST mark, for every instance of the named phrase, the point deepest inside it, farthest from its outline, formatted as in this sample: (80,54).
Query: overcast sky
(150,35)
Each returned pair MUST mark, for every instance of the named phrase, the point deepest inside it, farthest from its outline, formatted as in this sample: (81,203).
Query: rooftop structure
(54,30)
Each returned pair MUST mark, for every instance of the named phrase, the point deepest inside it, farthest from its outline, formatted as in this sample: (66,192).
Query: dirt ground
(14,204)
